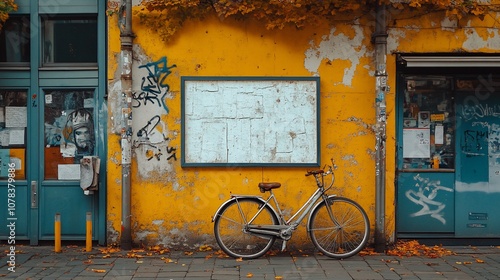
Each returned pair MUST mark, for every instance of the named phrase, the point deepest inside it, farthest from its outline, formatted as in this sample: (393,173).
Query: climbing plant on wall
(167,16)
(6,6)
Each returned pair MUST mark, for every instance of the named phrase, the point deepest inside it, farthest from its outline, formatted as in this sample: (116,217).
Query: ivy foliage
(6,6)
(167,16)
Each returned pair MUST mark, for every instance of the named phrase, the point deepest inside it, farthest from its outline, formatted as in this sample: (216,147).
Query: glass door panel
(69,132)
(13,123)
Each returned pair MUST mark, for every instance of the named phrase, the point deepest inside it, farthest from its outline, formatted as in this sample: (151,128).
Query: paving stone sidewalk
(41,262)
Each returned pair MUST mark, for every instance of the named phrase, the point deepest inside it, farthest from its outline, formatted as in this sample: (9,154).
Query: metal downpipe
(126,55)
(380,40)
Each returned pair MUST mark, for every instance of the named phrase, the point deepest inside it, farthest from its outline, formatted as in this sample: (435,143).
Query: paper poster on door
(424,119)
(416,143)
(68,171)
(16,116)
(439,135)
(16,136)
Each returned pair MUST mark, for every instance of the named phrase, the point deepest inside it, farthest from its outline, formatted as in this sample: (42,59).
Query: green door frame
(471,207)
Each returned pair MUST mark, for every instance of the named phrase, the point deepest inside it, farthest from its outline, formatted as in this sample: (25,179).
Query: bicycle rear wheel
(339,228)
(230,228)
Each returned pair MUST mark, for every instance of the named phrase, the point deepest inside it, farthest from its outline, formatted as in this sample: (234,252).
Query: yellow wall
(173,206)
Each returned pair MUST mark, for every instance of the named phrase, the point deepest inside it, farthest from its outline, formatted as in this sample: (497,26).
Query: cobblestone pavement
(41,262)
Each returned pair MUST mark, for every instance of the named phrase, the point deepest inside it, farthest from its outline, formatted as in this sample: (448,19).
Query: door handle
(34,194)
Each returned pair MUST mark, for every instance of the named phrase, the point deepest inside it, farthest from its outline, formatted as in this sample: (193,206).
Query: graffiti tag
(424,195)
(154,87)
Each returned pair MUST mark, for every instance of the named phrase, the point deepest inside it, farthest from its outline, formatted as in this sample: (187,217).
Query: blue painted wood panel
(478,174)
(425,202)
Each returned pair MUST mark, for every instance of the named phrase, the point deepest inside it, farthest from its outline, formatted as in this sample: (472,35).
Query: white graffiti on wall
(424,195)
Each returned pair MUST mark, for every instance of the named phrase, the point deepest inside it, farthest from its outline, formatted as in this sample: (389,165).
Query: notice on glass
(68,171)
(439,135)
(4,137)
(16,136)
(416,143)
(16,116)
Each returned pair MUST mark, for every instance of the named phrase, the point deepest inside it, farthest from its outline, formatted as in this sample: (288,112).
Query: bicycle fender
(235,197)
(314,208)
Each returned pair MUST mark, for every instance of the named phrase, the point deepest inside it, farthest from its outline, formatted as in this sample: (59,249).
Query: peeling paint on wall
(475,42)
(393,39)
(177,237)
(338,47)
(448,24)
(112,234)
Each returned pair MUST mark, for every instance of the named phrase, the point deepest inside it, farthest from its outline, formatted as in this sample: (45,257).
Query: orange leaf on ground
(368,252)
(205,248)
(414,248)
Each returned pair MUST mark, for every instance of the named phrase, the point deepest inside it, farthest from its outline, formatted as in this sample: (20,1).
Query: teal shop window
(15,40)
(429,123)
(69,40)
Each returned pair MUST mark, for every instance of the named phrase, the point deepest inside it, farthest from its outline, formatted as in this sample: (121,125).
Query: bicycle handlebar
(323,173)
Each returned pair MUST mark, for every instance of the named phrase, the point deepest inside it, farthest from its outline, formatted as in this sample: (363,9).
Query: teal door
(43,138)
(52,113)
(67,117)
(426,162)
(478,175)
(448,156)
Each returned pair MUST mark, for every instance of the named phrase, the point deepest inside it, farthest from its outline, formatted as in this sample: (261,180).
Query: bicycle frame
(286,227)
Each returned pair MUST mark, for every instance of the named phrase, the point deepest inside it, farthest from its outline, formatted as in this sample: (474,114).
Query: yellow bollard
(88,236)
(57,233)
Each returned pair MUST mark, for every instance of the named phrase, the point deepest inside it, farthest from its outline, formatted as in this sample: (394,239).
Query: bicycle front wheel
(339,228)
(230,228)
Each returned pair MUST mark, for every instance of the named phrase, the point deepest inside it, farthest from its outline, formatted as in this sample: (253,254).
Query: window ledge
(59,68)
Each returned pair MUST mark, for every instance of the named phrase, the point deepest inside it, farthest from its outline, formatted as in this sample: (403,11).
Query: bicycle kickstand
(283,246)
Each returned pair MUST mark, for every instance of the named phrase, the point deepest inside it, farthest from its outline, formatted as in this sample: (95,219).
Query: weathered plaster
(395,35)
(448,24)
(476,41)
(337,47)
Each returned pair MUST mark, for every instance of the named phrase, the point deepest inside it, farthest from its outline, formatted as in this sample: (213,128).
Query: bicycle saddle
(267,186)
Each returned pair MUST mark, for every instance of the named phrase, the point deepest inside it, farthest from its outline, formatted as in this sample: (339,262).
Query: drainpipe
(380,40)
(126,39)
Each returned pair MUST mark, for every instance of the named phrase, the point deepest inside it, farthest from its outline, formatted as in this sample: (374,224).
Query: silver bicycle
(246,226)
